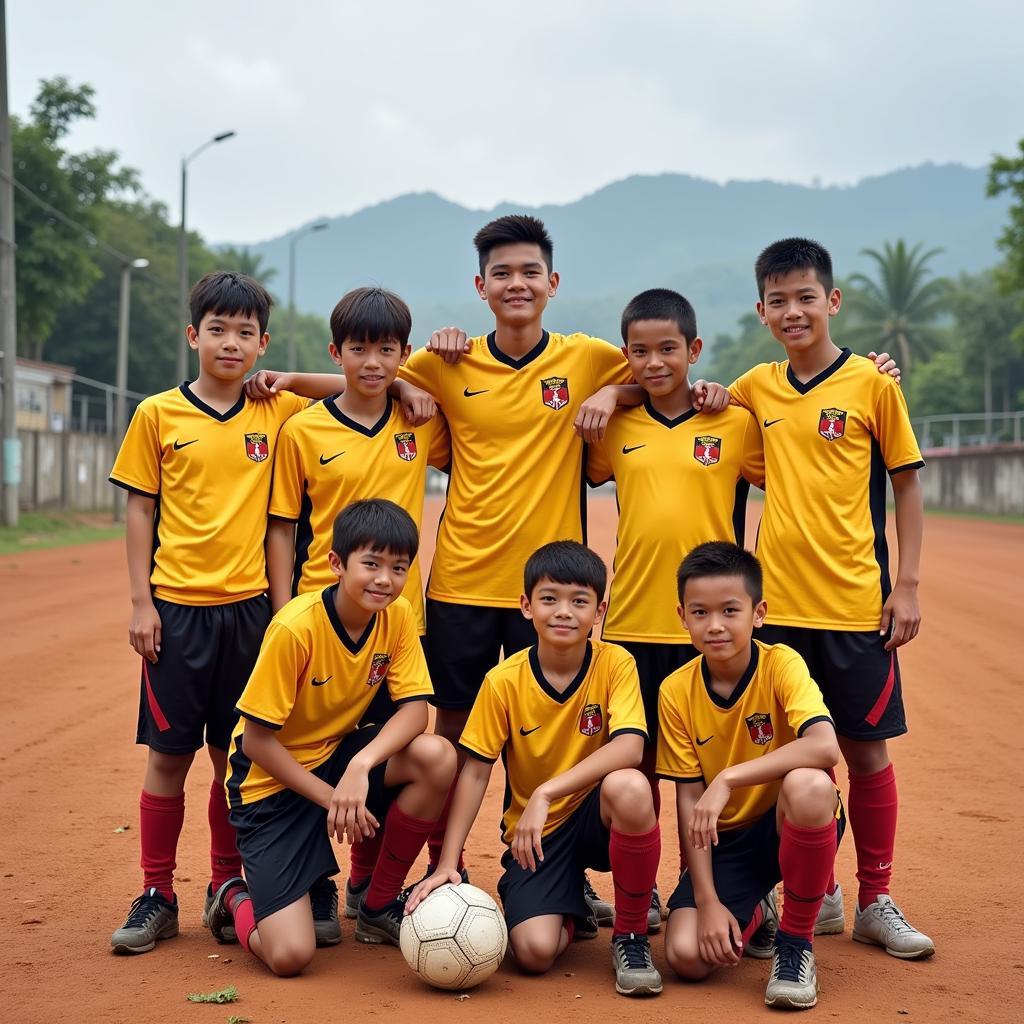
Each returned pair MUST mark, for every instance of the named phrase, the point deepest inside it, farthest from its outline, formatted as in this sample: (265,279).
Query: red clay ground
(70,777)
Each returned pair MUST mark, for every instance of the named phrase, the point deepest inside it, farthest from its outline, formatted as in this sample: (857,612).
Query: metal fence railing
(92,405)
(969,430)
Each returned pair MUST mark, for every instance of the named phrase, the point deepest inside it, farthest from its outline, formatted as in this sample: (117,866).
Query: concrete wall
(65,470)
(989,480)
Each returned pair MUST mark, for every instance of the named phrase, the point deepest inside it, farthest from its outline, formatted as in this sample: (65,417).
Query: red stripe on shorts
(154,708)
(875,713)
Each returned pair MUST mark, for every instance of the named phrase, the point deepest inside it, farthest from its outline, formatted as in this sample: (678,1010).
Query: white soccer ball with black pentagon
(455,938)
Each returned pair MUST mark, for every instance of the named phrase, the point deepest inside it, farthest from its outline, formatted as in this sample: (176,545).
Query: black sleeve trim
(476,754)
(283,519)
(134,490)
(812,721)
(679,778)
(409,700)
(259,721)
(629,732)
(909,465)
(591,482)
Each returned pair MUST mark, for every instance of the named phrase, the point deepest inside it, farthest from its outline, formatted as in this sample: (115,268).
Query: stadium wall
(66,470)
(986,480)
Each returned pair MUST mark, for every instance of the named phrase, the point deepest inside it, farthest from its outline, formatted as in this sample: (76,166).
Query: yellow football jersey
(325,461)
(312,683)
(210,474)
(700,734)
(827,445)
(540,733)
(517,464)
(678,484)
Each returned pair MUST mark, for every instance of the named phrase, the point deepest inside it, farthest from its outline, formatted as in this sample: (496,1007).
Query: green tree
(898,312)
(1006,174)
(733,354)
(245,261)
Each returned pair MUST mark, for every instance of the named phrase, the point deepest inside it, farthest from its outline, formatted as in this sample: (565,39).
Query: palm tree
(897,312)
(245,261)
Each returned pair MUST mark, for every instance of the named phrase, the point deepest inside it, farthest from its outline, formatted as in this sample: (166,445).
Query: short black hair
(566,561)
(228,293)
(661,304)
(720,558)
(371,314)
(516,227)
(789,254)
(378,524)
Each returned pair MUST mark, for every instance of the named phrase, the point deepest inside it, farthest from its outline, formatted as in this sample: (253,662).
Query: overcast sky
(341,104)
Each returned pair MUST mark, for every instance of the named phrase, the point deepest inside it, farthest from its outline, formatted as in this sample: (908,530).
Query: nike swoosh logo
(626,451)
(526,732)
(700,742)
(184,444)
(320,682)
(473,394)
(771,423)
(323,461)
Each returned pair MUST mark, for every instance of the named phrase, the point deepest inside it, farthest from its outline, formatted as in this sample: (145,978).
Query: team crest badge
(832,424)
(760,727)
(378,669)
(591,722)
(554,392)
(707,450)
(257,447)
(406,445)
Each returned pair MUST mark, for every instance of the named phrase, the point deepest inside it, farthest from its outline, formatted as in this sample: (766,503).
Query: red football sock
(242,913)
(806,856)
(436,839)
(160,821)
(363,859)
(569,924)
(634,860)
(225,860)
(873,808)
(755,922)
(404,837)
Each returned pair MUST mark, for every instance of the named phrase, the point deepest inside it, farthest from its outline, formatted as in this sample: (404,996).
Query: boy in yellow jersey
(566,718)
(302,772)
(196,462)
(681,479)
(745,735)
(833,431)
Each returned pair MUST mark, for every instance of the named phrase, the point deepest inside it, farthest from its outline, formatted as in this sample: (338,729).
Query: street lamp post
(182,367)
(120,407)
(320,225)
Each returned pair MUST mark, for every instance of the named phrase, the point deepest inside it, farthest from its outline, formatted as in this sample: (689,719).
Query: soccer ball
(455,938)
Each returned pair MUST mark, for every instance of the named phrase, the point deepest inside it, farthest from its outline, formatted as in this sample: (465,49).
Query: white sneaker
(882,924)
(793,983)
(831,916)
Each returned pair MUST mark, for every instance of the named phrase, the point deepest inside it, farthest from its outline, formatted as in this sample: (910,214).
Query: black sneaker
(602,911)
(635,973)
(221,918)
(151,917)
(761,944)
(229,930)
(383,925)
(353,896)
(586,928)
(323,898)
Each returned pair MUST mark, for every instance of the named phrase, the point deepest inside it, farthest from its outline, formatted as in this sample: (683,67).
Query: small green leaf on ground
(225,995)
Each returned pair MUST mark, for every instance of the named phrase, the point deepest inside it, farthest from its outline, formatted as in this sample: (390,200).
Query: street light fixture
(183,255)
(320,225)
(120,407)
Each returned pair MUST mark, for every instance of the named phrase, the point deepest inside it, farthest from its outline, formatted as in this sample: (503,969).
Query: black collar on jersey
(223,417)
(517,364)
(741,686)
(664,420)
(352,424)
(353,646)
(823,376)
(577,682)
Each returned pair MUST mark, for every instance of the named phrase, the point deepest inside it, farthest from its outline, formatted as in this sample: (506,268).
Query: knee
(808,796)
(289,958)
(435,760)
(626,789)
(684,958)
(170,766)
(533,954)
(865,758)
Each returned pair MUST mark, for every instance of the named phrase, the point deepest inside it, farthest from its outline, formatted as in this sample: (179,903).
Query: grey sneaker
(793,983)
(151,918)
(229,929)
(760,945)
(379,926)
(654,913)
(882,924)
(323,898)
(602,911)
(353,896)
(586,928)
(635,973)
(831,917)
(220,917)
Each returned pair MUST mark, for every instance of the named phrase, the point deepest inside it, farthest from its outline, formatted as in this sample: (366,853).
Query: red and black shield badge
(591,722)
(406,445)
(378,669)
(257,447)
(554,392)
(832,424)
(760,727)
(707,450)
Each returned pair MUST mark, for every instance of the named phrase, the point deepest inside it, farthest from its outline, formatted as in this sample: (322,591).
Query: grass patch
(37,530)
(988,517)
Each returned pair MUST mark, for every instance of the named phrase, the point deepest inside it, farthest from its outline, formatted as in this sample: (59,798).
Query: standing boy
(567,720)
(301,770)
(746,738)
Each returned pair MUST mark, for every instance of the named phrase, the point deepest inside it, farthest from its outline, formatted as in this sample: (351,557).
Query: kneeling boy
(294,785)
(566,717)
(745,734)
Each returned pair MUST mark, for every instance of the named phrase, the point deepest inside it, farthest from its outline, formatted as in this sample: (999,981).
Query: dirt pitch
(70,779)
